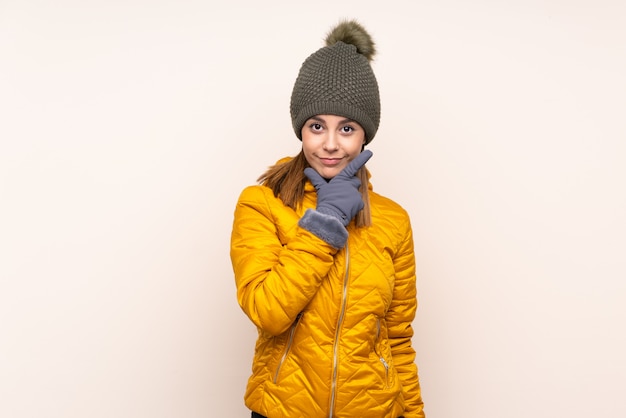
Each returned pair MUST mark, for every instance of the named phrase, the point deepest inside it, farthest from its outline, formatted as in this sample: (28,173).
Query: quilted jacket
(334,326)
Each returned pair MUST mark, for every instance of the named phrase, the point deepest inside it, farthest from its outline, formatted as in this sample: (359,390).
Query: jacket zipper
(333,390)
(380,356)
(292,333)
(384,362)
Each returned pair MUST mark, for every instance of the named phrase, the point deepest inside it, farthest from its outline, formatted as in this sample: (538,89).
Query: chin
(329,174)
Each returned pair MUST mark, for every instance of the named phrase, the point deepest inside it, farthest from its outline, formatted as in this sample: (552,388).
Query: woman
(324,266)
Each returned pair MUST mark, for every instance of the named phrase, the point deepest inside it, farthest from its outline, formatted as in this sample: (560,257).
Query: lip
(330,162)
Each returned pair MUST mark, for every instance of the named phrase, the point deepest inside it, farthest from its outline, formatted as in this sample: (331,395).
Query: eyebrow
(320,119)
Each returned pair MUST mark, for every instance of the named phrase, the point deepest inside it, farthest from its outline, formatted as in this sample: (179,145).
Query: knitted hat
(338,80)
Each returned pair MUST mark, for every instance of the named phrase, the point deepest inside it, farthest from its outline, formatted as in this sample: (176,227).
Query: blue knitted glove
(340,197)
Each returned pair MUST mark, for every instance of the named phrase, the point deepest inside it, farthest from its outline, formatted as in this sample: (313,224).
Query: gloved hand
(340,197)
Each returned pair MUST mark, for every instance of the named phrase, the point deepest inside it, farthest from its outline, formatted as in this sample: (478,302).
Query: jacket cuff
(326,227)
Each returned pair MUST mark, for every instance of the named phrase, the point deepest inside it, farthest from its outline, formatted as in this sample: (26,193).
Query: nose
(331,143)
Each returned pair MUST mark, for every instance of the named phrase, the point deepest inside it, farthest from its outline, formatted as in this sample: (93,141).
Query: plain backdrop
(128,129)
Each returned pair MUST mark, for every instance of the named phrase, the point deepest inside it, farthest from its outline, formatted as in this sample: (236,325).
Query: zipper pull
(384,362)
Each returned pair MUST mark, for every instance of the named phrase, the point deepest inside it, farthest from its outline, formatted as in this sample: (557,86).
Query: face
(330,142)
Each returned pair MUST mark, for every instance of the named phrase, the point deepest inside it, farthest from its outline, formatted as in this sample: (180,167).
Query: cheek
(356,148)
(307,154)
(306,146)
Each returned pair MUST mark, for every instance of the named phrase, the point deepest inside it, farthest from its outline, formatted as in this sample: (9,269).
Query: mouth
(330,162)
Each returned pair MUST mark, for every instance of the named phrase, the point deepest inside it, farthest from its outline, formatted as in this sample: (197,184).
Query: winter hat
(338,80)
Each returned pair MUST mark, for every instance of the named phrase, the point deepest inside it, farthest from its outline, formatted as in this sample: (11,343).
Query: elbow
(269,322)
(274,329)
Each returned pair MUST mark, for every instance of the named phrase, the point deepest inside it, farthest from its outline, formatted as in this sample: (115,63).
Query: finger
(357,163)
(314,176)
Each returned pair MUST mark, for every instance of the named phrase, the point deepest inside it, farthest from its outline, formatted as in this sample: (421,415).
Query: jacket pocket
(379,351)
(292,333)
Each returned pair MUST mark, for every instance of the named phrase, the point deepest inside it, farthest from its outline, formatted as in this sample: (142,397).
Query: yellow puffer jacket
(334,326)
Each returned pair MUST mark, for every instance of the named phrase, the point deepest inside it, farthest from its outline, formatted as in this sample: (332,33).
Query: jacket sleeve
(399,319)
(275,280)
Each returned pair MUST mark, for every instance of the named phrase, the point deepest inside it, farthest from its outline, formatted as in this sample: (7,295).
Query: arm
(399,319)
(274,280)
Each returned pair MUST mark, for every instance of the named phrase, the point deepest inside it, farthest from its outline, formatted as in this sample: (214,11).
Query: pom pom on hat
(351,32)
(338,79)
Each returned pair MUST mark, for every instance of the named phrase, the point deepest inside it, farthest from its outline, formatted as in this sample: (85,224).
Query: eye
(316,127)
(347,129)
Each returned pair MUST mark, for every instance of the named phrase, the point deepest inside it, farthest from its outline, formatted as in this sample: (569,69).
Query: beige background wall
(128,128)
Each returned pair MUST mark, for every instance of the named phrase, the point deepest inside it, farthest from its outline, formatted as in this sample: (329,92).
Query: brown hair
(287,181)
